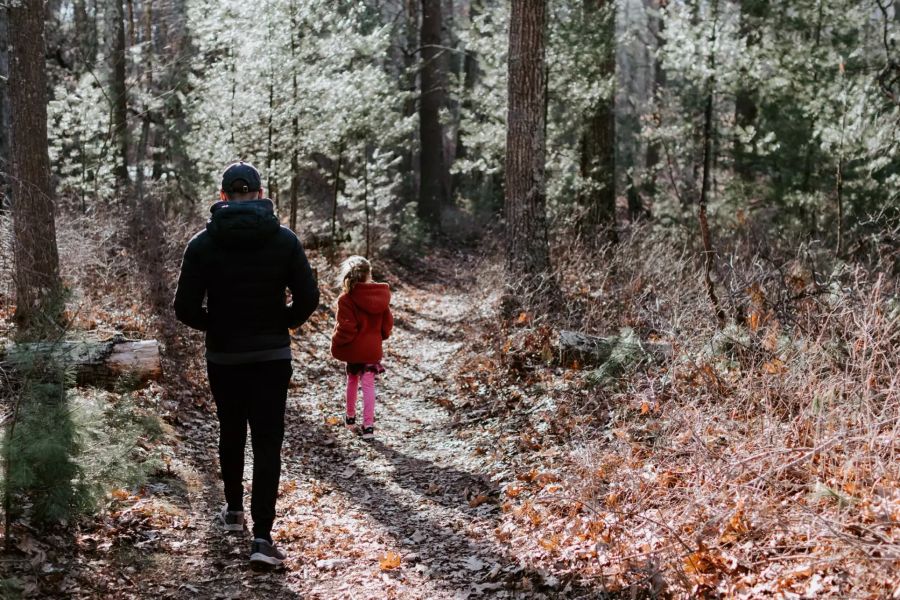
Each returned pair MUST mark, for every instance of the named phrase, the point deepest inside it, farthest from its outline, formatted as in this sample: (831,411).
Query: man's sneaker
(263,552)
(230,520)
(349,421)
(368,433)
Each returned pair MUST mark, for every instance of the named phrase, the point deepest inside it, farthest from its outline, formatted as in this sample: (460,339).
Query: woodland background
(707,191)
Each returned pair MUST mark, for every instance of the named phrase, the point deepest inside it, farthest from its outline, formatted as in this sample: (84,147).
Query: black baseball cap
(241,177)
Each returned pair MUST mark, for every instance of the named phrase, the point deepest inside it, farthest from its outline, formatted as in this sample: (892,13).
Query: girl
(363,320)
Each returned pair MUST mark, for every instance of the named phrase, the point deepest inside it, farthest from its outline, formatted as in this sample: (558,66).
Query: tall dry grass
(761,458)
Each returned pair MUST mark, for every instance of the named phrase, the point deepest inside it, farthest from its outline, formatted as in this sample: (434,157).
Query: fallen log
(100,363)
(591,350)
(586,350)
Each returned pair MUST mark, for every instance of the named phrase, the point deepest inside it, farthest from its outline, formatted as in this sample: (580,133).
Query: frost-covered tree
(245,104)
(798,110)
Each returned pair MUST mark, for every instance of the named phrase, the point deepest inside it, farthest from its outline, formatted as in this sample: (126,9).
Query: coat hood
(373,298)
(244,224)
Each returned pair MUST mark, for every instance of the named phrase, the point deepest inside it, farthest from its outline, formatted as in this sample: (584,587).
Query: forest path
(410,515)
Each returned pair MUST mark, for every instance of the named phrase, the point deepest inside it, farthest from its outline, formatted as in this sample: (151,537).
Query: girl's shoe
(349,421)
(368,433)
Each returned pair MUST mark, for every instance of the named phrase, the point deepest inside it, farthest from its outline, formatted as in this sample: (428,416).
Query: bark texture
(528,256)
(432,189)
(38,287)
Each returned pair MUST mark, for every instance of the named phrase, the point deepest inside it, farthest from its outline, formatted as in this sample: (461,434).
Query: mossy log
(591,351)
(100,363)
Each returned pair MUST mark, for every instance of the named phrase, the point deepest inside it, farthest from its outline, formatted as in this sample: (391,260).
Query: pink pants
(368,388)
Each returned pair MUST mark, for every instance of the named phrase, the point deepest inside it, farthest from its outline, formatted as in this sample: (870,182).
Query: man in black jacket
(242,264)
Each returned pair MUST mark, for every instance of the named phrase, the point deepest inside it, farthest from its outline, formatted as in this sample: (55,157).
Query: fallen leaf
(550,543)
(478,500)
(389,561)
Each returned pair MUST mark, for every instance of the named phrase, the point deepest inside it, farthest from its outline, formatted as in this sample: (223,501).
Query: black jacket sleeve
(304,289)
(191,290)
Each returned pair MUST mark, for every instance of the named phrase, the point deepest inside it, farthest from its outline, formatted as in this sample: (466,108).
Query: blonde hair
(355,269)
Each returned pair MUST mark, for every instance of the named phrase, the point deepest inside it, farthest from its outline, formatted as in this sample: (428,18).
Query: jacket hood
(373,298)
(244,224)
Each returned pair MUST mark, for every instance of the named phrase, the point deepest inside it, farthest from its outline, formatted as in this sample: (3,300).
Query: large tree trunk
(38,286)
(598,138)
(434,173)
(118,93)
(528,257)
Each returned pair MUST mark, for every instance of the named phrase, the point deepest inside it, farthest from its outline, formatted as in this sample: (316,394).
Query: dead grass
(759,460)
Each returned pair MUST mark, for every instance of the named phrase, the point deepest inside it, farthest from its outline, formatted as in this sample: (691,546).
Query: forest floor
(497,470)
(414,514)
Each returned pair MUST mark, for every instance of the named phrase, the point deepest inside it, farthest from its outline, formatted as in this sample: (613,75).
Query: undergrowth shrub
(64,448)
(40,446)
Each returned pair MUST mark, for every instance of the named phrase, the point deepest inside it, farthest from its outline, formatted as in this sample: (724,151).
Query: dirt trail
(419,498)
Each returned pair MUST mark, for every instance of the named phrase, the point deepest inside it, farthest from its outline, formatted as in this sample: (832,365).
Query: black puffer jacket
(242,262)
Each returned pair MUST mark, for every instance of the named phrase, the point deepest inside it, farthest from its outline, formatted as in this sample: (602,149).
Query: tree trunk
(366,195)
(4,110)
(336,190)
(295,125)
(839,173)
(270,128)
(270,151)
(411,163)
(38,287)
(811,146)
(85,34)
(657,26)
(708,133)
(434,174)
(528,251)
(452,70)
(118,94)
(598,138)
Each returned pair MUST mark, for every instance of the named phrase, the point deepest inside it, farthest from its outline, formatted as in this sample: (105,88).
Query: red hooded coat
(363,320)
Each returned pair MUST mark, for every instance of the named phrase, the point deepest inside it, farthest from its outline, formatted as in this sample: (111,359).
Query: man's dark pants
(254,394)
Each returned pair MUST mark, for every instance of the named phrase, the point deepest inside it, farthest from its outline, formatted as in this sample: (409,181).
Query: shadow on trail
(419,476)
(448,331)
(443,545)
(227,554)
(202,560)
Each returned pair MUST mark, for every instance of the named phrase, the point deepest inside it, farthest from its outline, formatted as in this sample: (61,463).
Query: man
(242,263)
